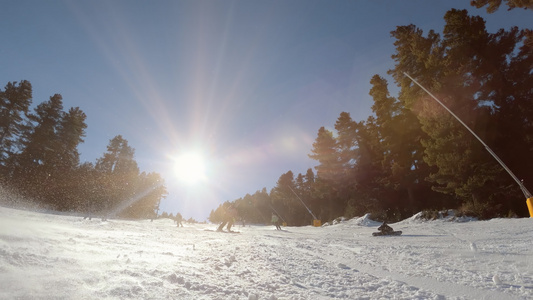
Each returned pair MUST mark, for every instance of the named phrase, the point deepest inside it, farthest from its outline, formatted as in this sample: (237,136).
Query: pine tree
(261,207)
(369,171)
(284,201)
(329,175)
(35,166)
(40,144)
(345,186)
(494,5)
(465,69)
(119,174)
(15,101)
(119,158)
(403,165)
(325,152)
(70,134)
(345,142)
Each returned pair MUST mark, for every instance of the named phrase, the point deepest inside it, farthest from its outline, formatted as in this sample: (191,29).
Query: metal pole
(303,204)
(520,183)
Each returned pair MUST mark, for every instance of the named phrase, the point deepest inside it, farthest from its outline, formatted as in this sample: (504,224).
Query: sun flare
(190,168)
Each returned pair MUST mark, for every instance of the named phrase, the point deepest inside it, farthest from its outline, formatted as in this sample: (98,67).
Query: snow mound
(364,221)
(418,218)
(443,215)
(337,221)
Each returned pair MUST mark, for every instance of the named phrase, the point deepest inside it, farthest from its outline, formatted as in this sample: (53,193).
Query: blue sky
(245,83)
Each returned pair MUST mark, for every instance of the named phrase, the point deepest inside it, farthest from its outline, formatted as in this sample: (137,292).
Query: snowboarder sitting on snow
(275,221)
(385,229)
(229,218)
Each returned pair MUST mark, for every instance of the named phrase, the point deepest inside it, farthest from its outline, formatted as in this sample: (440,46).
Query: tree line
(411,155)
(40,161)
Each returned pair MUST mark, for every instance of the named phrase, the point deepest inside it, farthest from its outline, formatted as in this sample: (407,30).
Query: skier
(385,229)
(178,219)
(275,221)
(229,218)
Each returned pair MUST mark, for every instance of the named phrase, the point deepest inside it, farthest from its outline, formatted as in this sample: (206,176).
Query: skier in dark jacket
(229,218)
(179,218)
(275,221)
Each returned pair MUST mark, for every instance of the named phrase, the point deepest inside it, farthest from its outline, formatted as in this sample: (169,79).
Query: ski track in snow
(47,256)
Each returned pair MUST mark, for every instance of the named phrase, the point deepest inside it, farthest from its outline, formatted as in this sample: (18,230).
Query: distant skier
(179,218)
(230,214)
(275,221)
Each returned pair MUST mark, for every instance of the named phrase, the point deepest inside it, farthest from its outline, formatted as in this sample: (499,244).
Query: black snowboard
(386,233)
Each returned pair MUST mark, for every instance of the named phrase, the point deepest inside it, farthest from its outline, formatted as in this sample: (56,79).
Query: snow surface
(50,256)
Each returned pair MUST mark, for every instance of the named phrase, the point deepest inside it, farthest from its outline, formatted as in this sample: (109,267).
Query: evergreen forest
(40,162)
(411,155)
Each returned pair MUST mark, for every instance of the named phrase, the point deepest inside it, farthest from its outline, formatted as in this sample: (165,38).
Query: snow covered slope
(45,256)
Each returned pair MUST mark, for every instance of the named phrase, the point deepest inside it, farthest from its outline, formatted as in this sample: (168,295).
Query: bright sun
(190,168)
